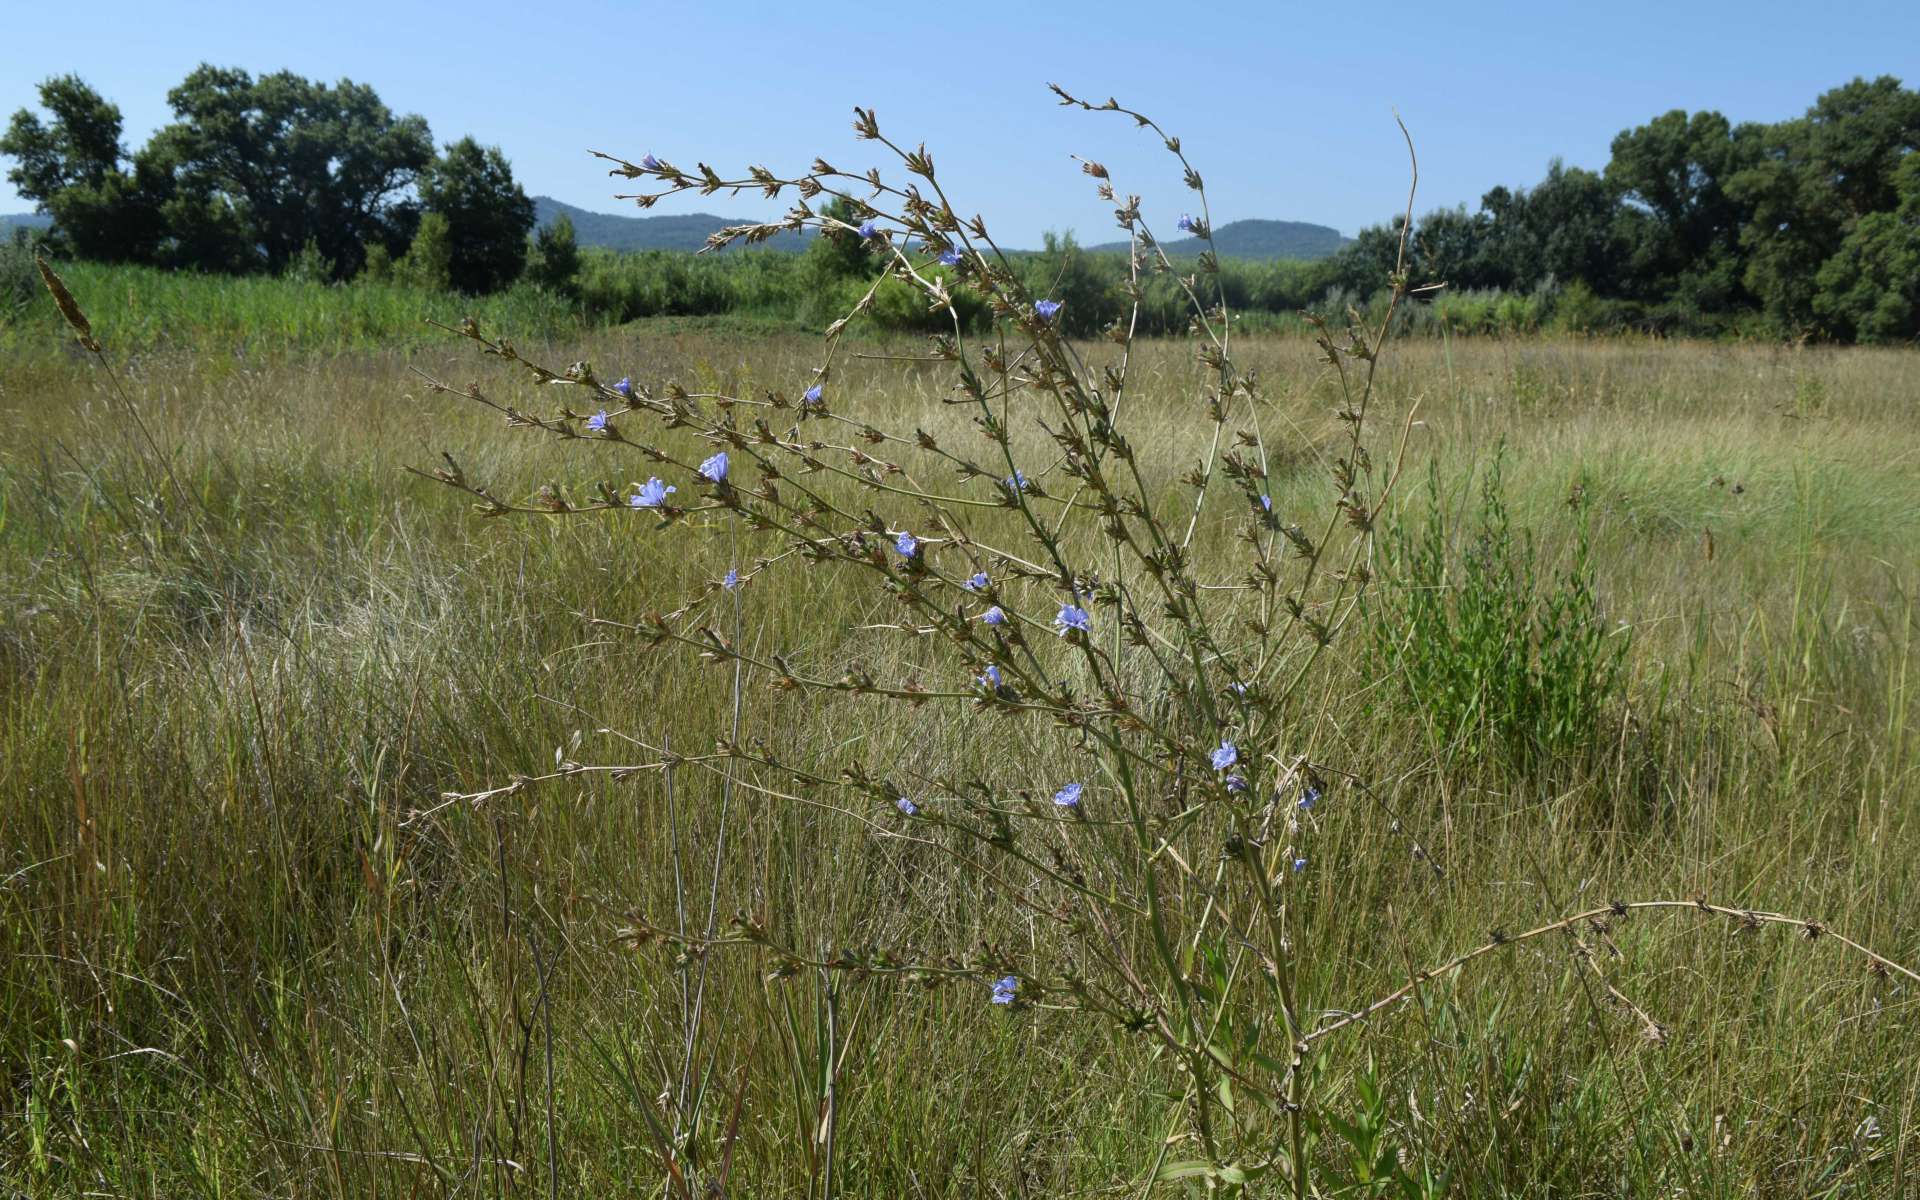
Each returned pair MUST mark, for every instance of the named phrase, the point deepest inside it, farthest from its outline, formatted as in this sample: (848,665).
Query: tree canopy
(252,172)
(1800,228)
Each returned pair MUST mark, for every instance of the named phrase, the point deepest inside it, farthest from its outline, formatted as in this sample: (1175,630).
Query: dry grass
(233,960)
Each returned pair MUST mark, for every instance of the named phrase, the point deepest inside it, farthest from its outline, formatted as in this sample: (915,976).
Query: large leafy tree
(488,215)
(1870,288)
(1680,227)
(292,160)
(1816,180)
(1564,228)
(72,166)
(1455,247)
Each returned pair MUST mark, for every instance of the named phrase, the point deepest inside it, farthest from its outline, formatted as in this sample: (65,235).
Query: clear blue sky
(1287,109)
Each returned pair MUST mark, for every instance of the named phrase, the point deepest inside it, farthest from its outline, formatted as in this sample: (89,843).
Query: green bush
(19,282)
(1475,638)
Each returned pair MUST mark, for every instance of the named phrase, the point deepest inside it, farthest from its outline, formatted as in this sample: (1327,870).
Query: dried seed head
(69,307)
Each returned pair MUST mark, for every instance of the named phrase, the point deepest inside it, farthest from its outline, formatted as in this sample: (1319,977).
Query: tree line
(1805,228)
(275,174)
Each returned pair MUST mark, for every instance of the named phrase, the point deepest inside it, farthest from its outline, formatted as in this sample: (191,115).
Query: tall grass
(754,291)
(236,960)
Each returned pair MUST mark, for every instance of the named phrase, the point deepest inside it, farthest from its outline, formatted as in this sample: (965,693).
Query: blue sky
(1286,109)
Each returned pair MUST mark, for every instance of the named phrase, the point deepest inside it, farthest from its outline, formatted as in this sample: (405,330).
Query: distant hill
(665,232)
(1257,240)
(30,220)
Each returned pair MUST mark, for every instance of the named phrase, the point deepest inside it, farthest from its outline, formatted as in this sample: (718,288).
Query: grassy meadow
(247,950)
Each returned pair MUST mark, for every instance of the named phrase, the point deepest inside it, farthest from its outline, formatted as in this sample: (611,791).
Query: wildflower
(811,397)
(715,468)
(1003,989)
(732,579)
(994,616)
(650,163)
(652,494)
(1310,797)
(1238,689)
(1225,756)
(1266,502)
(906,544)
(1236,783)
(989,678)
(1046,308)
(975,582)
(1068,796)
(624,387)
(1015,482)
(906,806)
(869,230)
(597,421)
(1186,223)
(1072,616)
(950,257)
(1299,865)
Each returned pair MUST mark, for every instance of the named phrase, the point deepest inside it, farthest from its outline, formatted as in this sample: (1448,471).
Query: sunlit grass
(234,959)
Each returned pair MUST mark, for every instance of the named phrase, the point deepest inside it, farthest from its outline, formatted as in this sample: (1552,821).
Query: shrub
(1488,651)
(555,264)
(19,281)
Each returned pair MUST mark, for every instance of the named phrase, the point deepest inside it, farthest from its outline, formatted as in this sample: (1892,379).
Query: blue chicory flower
(994,616)
(976,581)
(1003,989)
(1186,223)
(907,544)
(1266,502)
(811,397)
(1068,796)
(652,494)
(624,387)
(1299,865)
(597,421)
(732,579)
(990,678)
(1072,616)
(1236,783)
(1046,309)
(950,257)
(1310,797)
(1015,482)
(715,468)
(1225,756)
(906,806)
(650,163)
(869,230)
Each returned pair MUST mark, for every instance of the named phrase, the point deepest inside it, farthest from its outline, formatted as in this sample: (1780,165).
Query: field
(248,949)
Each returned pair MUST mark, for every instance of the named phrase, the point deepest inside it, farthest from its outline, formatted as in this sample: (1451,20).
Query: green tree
(287,160)
(555,264)
(1363,266)
(487,212)
(1681,226)
(1455,247)
(70,166)
(428,262)
(1564,228)
(1087,285)
(1819,177)
(1870,289)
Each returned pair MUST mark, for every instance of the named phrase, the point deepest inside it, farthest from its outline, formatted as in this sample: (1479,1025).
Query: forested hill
(679,231)
(1256,240)
(1251,240)
(28,220)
